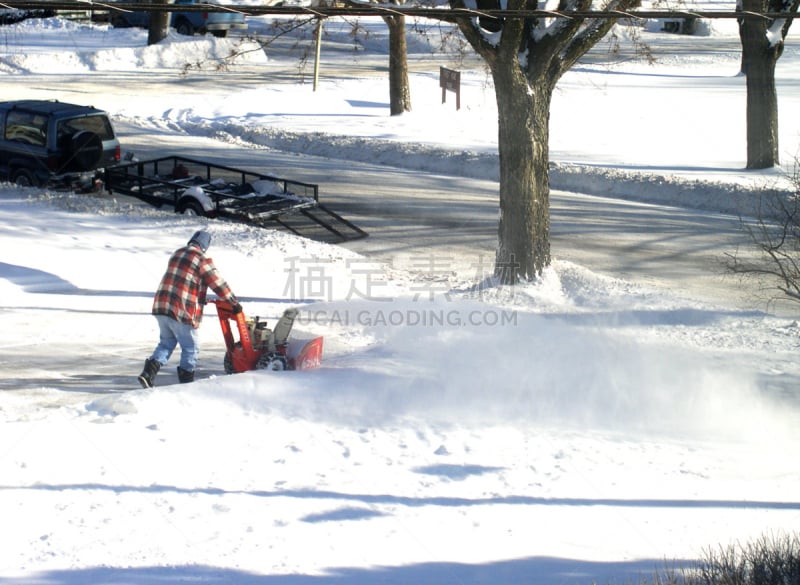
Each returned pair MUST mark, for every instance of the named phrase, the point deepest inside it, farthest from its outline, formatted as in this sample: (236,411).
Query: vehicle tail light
(205,16)
(117,153)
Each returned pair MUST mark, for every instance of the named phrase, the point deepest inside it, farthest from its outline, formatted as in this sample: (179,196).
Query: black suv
(51,143)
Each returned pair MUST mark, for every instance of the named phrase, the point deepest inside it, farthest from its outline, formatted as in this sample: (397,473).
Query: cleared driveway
(411,215)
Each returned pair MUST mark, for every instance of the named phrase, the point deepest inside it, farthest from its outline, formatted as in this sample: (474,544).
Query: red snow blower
(261,348)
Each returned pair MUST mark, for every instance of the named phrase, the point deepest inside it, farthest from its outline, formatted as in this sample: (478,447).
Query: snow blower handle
(226,309)
(227,312)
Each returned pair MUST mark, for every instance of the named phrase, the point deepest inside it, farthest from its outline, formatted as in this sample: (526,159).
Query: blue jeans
(172,333)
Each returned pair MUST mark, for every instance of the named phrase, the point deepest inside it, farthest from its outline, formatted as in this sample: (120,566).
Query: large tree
(527,57)
(158,29)
(762,45)
(399,87)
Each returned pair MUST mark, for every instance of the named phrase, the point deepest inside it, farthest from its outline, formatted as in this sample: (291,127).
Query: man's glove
(237,308)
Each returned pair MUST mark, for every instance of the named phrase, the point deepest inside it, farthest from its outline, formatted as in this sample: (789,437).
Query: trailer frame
(196,187)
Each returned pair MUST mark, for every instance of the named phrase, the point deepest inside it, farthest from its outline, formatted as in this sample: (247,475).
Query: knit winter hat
(202,238)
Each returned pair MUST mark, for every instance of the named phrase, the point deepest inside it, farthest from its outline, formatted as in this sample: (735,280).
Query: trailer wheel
(272,361)
(191,207)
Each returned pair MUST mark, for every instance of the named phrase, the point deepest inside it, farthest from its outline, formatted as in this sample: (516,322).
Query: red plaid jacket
(182,292)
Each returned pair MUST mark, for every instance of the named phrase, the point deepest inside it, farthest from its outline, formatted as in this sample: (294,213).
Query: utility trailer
(196,187)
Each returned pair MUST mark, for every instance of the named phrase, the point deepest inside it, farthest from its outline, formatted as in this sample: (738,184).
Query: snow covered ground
(578,429)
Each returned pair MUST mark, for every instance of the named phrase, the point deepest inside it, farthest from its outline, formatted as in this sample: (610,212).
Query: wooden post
(318,43)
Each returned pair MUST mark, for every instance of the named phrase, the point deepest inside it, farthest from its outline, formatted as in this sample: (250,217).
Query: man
(178,307)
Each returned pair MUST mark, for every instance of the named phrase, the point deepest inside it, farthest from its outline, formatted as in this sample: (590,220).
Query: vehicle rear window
(98,124)
(26,127)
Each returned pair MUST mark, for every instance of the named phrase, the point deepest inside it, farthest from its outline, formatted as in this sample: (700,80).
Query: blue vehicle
(55,144)
(186,23)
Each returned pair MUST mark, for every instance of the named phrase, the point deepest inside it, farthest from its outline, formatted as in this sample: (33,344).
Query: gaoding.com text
(411,317)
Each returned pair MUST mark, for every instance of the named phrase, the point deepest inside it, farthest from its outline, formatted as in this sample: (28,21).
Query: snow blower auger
(261,348)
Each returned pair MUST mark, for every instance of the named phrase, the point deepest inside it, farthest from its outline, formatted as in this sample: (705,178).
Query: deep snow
(581,428)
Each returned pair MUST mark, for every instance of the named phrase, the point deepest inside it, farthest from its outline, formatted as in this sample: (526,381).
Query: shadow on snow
(531,571)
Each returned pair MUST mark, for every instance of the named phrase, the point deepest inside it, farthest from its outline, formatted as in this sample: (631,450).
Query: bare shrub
(775,235)
(769,560)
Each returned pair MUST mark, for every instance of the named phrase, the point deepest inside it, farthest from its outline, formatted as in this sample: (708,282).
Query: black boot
(148,375)
(185,376)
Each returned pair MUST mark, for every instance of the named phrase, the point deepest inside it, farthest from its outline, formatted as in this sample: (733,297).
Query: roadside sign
(450,80)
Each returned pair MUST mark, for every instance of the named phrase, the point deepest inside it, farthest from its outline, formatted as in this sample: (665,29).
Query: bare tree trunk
(527,57)
(762,116)
(399,87)
(759,58)
(523,249)
(159,25)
